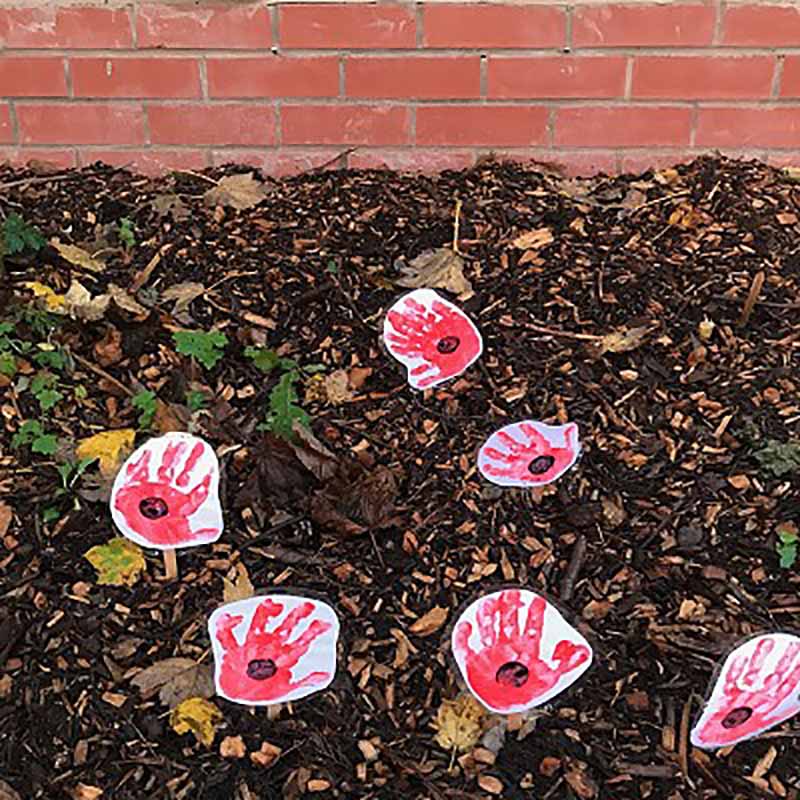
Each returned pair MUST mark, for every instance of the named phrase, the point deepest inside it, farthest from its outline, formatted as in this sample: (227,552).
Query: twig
(574,568)
(47,178)
(683,746)
(333,160)
(752,298)
(141,278)
(268,534)
(195,175)
(456,226)
(588,337)
(103,374)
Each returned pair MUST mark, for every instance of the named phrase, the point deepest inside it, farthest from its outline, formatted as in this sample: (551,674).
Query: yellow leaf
(199,716)
(240,588)
(53,302)
(78,257)
(111,447)
(430,622)
(118,562)
(459,723)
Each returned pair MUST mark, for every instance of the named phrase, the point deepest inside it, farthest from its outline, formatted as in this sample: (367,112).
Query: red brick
(761,26)
(702,77)
(559,76)
(748,127)
(80,123)
(416,159)
(570,162)
(643,26)
(436,78)
(638,161)
(642,126)
(369,125)
(147,162)
(217,123)
(278,163)
(790,80)
(274,76)
(203,27)
(497,26)
(44,25)
(6,127)
(32,77)
(136,77)
(346,26)
(491,126)
(22,156)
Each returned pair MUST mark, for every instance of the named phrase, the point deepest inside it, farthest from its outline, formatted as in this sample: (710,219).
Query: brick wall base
(288,86)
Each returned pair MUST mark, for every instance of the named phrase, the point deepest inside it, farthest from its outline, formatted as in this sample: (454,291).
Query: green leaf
(787,544)
(196,400)
(205,347)
(284,411)
(19,235)
(46,444)
(49,398)
(27,432)
(50,514)
(263,359)
(6,328)
(779,458)
(145,403)
(8,364)
(51,358)
(125,232)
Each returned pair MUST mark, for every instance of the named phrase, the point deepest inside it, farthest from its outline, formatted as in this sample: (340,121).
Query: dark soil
(660,542)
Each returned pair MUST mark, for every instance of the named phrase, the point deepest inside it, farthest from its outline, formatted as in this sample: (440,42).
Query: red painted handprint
(263,669)
(517,666)
(174,506)
(434,339)
(758,687)
(529,453)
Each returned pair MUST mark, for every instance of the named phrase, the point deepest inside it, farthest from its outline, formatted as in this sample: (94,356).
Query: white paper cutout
(529,453)
(434,339)
(515,651)
(273,648)
(757,688)
(166,495)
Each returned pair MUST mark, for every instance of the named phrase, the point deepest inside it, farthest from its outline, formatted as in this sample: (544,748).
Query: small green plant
(70,472)
(283,408)
(31,434)
(267,360)
(206,347)
(779,458)
(196,400)
(19,236)
(786,547)
(8,362)
(125,232)
(145,403)
(53,357)
(43,388)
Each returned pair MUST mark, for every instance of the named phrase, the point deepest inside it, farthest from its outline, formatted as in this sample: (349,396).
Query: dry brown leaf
(266,755)
(78,257)
(459,723)
(125,301)
(108,350)
(8,792)
(534,240)
(5,518)
(337,388)
(430,622)
(175,679)
(240,588)
(232,747)
(705,329)
(237,191)
(79,303)
(183,294)
(621,341)
(358,376)
(613,512)
(786,219)
(170,204)
(442,268)
(739,482)
(490,784)
(84,791)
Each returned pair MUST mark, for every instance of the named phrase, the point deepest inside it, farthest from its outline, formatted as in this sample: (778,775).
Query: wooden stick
(170,565)
(456,225)
(752,298)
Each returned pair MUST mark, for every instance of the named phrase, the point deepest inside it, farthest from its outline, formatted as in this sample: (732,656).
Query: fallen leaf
(442,268)
(613,511)
(266,755)
(5,518)
(337,388)
(175,679)
(108,350)
(169,418)
(459,723)
(490,784)
(118,562)
(52,302)
(534,240)
(685,216)
(198,715)
(78,257)
(237,191)
(240,588)
(125,301)
(232,747)
(7,792)
(430,622)
(295,785)
(183,294)
(621,341)
(84,791)
(110,447)
(358,376)
(170,205)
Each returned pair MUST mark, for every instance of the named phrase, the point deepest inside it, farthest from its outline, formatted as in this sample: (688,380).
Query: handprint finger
(225,628)
(169,461)
(486,619)
(198,495)
(290,621)
(139,469)
(296,649)
(499,455)
(462,634)
(762,651)
(534,623)
(264,614)
(510,604)
(535,438)
(185,475)
(510,442)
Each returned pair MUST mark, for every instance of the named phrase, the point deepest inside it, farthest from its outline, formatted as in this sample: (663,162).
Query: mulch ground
(660,542)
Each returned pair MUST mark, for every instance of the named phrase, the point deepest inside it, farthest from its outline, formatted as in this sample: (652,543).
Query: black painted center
(540,465)
(259,669)
(449,344)
(153,508)
(512,673)
(737,717)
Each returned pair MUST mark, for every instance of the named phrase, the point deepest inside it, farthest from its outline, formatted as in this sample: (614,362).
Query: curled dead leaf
(183,294)
(5,517)
(239,587)
(459,723)
(78,257)
(431,622)
(237,191)
(175,679)
(442,268)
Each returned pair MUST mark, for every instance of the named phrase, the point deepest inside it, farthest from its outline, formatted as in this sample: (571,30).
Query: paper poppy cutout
(273,648)
(431,337)
(515,651)
(758,687)
(529,453)
(166,494)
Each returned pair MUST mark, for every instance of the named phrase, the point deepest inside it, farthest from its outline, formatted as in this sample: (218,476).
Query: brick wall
(288,86)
